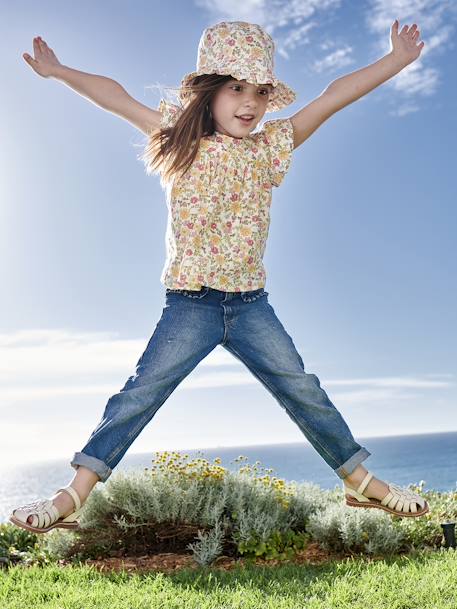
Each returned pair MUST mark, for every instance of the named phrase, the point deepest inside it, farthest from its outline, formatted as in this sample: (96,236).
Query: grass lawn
(427,580)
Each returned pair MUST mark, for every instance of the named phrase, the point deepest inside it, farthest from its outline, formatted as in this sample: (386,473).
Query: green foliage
(280,545)
(197,506)
(201,507)
(18,546)
(425,580)
(426,531)
(355,530)
(209,544)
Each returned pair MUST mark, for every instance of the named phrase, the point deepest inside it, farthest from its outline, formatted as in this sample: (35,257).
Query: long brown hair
(173,149)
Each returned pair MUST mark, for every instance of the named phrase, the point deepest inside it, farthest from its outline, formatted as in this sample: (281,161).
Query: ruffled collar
(229,140)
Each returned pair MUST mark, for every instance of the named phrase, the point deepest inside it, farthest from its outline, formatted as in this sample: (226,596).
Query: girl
(218,175)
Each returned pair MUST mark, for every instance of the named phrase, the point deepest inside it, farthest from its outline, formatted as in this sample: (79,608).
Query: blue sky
(361,255)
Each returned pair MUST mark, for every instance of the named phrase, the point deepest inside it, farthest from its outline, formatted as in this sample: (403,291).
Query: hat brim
(281,96)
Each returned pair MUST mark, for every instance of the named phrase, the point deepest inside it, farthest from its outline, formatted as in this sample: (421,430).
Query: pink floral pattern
(219,211)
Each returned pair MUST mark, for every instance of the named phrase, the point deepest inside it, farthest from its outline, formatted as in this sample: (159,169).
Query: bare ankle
(356,476)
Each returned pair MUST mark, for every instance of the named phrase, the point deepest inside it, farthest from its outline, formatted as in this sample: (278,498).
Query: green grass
(424,581)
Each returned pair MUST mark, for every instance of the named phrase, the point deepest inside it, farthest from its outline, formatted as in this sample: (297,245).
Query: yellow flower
(235,207)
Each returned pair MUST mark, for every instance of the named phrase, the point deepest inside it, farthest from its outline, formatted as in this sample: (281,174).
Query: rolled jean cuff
(349,466)
(96,465)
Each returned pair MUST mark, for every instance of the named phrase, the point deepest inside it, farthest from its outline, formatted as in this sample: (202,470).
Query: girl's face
(238,98)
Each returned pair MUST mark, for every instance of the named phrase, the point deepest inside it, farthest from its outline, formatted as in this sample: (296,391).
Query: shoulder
(275,132)
(276,139)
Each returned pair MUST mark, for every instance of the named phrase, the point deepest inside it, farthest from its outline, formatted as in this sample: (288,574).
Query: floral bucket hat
(245,52)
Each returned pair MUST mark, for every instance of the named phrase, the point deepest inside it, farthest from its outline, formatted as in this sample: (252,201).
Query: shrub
(342,528)
(175,503)
(18,546)
(426,531)
(209,546)
(201,507)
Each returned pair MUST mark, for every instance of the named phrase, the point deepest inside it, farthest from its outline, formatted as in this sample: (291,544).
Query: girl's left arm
(347,89)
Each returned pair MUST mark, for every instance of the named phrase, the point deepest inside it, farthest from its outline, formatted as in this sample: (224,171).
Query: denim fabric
(192,324)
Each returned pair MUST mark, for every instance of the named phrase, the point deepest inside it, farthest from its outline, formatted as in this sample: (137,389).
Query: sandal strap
(46,517)
(402,500)
(365,482)
(73,494)
(43,512)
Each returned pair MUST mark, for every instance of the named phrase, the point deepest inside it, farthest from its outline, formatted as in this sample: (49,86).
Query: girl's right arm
(104,92)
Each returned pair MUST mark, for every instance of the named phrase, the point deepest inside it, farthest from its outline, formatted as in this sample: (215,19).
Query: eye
(264,91)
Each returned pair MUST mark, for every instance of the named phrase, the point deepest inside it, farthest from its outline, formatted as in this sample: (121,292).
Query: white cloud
(414,79)
(433,18)
(45,373)
(273,16)
(292,22)
(367,397)
(40,364)
(295,37)
(46,364)
(400,382)
(404,109)
(334,60)
(253,11)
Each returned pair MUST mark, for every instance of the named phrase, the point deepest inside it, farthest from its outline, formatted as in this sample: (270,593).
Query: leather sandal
(398,501)
(45,514)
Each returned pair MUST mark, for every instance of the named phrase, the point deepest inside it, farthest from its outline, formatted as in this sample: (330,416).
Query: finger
(41,44)
(28,58)
(46,48)
(412,29)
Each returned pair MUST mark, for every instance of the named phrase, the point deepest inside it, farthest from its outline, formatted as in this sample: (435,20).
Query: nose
(252,97)
(250,102)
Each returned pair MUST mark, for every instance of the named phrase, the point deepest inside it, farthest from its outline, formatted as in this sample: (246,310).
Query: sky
(361,255)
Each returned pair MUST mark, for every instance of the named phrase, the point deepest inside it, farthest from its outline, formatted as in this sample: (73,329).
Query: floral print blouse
(219,211)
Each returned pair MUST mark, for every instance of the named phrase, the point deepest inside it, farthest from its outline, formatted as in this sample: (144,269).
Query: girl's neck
(226,136)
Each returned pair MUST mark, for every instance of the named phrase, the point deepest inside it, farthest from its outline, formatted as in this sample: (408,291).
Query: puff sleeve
(170,113)
(278,138)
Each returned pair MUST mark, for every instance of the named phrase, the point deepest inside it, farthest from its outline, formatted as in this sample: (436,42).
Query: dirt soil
(169,562)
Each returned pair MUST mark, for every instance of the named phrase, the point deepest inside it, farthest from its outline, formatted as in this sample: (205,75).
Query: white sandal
(398,501)
(45,514)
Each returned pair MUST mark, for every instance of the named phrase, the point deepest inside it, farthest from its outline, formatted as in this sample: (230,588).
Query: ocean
(400,459)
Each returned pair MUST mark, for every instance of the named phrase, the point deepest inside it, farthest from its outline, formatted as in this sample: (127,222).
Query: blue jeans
(192,324)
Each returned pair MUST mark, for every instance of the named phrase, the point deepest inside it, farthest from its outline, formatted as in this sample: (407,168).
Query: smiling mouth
(245,118)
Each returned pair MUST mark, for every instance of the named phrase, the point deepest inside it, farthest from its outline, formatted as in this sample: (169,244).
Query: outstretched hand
(45,60)
(404,44)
